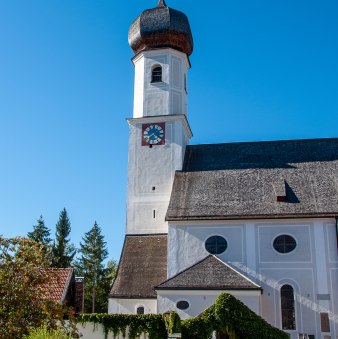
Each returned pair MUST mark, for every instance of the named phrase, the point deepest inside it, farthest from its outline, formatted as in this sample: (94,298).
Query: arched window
(140,310)
(156,74)
(288,308)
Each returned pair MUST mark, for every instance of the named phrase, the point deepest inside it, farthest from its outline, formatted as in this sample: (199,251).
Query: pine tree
(94,251)
(63,251)
(40,233)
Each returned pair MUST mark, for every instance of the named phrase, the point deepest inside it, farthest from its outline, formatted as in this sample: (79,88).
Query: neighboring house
(255,219)
(60,286)
(64,288)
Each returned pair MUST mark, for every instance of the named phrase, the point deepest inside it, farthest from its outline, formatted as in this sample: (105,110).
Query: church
(258,220)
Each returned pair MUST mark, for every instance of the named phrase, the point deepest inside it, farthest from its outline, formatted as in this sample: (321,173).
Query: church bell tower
(159,131)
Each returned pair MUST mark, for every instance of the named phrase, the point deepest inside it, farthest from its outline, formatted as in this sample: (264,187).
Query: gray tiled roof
(142,266)
(275,179)
(209,274)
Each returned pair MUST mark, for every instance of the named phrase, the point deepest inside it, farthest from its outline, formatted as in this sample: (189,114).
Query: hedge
(228,315)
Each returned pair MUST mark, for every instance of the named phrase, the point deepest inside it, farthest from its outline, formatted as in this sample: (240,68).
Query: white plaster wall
(153,167)
(129,306)
(312,268)
(186,244)
(91,331)
(201,300)
(168,97)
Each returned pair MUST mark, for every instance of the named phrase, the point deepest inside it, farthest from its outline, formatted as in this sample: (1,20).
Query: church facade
(255,219)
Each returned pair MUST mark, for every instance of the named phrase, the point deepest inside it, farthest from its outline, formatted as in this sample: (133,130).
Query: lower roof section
(211,273)
(143,265)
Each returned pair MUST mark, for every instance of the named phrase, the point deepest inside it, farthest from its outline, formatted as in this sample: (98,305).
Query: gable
(209,274)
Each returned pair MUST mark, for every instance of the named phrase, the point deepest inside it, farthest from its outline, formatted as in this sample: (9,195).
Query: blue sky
(261,70)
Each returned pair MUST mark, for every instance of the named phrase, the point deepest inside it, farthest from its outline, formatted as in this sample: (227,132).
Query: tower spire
(161,3)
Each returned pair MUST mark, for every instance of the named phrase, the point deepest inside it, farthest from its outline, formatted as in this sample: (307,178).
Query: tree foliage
(41,234)
(23,280)
(63,251)
(98,278)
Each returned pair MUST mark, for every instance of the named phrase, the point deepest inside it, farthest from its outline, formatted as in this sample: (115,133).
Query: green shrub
(44,333)
(229,315)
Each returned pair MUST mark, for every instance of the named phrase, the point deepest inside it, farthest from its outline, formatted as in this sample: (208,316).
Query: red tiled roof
(57,284)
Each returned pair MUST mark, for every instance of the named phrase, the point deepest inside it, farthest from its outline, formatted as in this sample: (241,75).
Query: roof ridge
(265,141)
(186,269)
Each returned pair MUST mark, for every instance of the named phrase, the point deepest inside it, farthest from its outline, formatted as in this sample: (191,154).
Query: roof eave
(117,296)
(209,288)
(258,216)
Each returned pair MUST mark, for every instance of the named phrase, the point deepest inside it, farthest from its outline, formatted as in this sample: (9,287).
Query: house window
(156,74)
(288,308)
(182,305)
(216,244)
(284,243)
(140,310)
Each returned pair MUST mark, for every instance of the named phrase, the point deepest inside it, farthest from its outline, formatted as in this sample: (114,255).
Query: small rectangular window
(324,322)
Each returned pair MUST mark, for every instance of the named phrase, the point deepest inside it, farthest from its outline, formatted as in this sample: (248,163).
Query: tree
(94,252)
(41,234)
(63,252)
(23,280)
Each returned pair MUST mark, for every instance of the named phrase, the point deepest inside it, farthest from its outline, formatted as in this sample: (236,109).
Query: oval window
(284,243)
(182,305)
(216,244)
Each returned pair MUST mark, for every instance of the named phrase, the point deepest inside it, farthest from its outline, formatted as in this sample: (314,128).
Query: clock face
(153,134)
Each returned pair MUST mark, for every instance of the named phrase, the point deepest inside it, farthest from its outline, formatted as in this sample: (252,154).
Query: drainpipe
(337,230)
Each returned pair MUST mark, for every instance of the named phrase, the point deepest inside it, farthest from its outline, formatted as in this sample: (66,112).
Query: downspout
(337,230)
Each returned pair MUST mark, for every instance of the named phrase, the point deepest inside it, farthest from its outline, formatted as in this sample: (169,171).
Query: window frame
(219,236)
(284,234)
(137,307)
(182,300)
(293,310)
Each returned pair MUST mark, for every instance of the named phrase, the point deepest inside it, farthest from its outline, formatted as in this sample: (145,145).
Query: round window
(216,244)
(284,243)
(182,305)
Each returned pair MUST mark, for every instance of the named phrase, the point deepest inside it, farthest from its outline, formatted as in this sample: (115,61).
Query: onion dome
(161,27)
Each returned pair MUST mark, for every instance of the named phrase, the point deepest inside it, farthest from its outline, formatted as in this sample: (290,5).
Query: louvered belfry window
(288,308)
(156,74)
